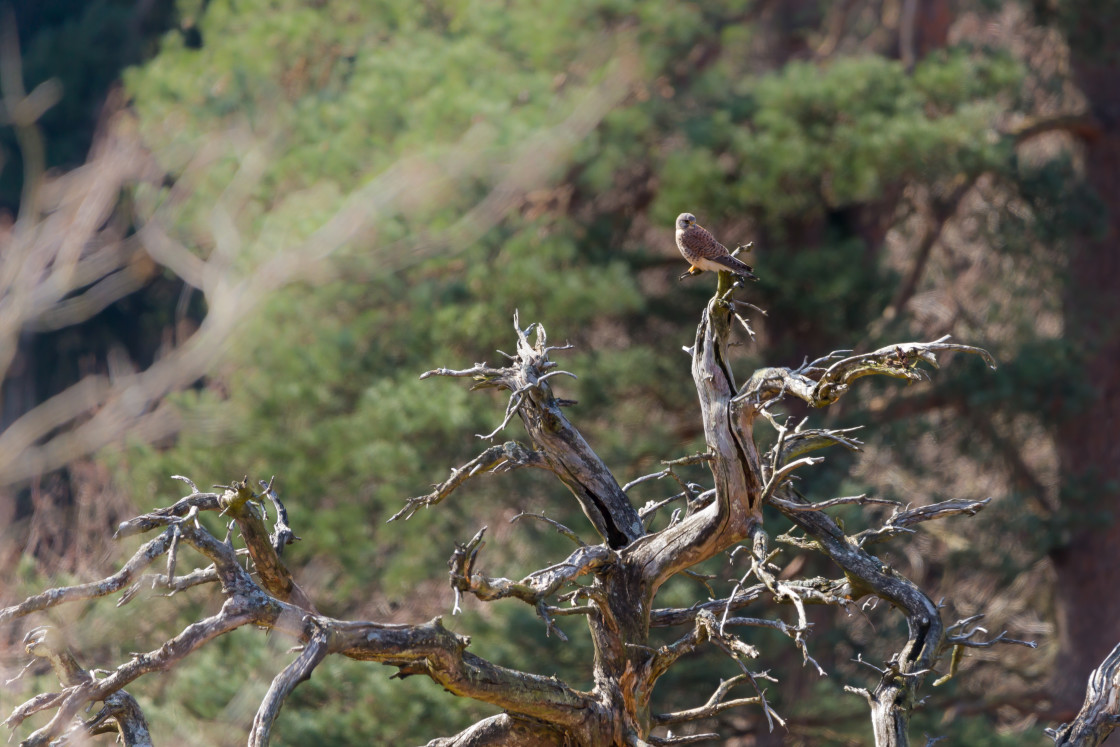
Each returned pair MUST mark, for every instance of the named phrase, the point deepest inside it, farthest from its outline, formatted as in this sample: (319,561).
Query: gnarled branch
(1101,712)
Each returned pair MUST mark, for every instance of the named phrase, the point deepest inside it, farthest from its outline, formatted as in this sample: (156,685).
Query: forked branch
(713,707)
(819,385)
(535,588)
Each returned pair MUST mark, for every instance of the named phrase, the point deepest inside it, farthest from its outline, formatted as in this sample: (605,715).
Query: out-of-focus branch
(120,712)
(65,259)
(1081,126)
(937,216)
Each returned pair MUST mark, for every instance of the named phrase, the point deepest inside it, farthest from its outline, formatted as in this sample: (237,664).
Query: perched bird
(703,252)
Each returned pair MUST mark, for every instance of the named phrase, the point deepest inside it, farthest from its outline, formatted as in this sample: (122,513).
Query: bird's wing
(705,244)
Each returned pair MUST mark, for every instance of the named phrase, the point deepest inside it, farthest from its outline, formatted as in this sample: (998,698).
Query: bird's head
(684,220)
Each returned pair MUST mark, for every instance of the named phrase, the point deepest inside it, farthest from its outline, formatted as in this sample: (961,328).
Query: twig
(555,524)
(652,506)
(861,499)
(683,739)
(966,635)
(511,410)
(714,706)
(702,457)
(142,558)
(507,456)
(535,587)
(480,371)
(684,616)
(185,509)
(757,622)
(785,471)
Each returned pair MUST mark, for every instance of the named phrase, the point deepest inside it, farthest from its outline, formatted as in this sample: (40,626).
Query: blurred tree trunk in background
(1087,574)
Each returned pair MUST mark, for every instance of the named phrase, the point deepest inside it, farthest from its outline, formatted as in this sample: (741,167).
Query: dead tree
(611,582)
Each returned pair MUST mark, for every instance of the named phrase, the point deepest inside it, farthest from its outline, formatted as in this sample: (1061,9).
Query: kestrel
(703,252)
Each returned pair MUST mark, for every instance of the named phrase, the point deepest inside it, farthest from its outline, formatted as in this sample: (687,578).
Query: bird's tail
(737,267)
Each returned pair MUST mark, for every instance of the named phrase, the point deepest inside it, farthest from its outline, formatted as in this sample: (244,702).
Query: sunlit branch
(901,522)
(315,650)
(713,707)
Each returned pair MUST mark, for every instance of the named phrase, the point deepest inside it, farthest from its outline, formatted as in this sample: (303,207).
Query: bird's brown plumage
(702,250)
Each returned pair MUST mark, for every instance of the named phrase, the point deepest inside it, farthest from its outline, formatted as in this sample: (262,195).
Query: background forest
(298,207)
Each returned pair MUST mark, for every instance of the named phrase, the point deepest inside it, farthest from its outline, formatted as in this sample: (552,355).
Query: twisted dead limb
(1101,712)
(120,714)
(428,648)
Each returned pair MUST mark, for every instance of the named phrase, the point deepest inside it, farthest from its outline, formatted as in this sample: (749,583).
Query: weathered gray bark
(621,573)
(1101,712)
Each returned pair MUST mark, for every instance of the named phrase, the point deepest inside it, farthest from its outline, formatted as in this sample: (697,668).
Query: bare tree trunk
(1088,444)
